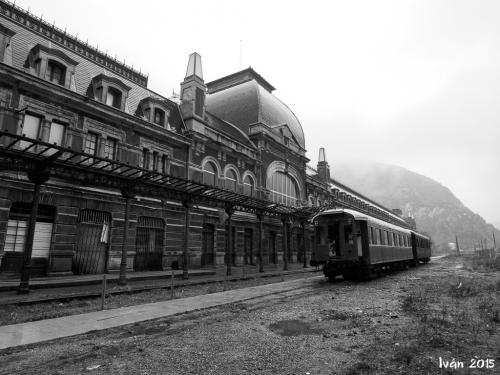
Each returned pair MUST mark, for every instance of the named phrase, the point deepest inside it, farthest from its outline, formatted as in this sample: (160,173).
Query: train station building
(216,175)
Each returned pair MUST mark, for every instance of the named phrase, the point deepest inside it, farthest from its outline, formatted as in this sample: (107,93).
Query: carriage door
(207,243)
(149,244)
(248,246)
(91,250)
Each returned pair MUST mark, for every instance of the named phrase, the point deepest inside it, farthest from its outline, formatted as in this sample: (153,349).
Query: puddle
(293,328)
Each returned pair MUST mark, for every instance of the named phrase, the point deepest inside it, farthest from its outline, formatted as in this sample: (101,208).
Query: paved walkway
(91,285)
(50,329)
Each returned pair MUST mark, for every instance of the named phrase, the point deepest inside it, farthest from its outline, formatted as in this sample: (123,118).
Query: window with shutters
(17,229)
(56,136)
(31,128)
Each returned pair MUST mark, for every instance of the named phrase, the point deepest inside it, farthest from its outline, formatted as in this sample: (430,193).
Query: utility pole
(494,240)
(458,247)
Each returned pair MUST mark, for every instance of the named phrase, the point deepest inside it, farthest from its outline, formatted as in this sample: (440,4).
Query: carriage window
(379,236)
(395,239)
(348,238)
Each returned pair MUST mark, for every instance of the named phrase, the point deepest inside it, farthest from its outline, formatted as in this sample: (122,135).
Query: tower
(323,167)
(193,89)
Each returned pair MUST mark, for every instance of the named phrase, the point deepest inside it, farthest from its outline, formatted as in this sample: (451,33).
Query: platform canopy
(22,154)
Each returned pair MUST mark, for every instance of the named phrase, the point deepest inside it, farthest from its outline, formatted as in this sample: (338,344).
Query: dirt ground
(410,322)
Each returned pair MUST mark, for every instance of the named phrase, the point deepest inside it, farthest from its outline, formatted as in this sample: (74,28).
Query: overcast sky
(411,83)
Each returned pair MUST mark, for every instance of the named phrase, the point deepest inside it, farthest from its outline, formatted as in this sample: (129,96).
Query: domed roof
(245,98)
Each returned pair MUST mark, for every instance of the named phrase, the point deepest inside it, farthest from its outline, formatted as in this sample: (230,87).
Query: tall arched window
(283,189)
(210,174)
(248,185)
(231,179)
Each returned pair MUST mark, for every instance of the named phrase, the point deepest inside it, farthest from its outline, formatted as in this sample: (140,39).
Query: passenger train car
(356,245)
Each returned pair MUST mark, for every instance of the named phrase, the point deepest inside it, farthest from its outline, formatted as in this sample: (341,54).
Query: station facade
(232,133)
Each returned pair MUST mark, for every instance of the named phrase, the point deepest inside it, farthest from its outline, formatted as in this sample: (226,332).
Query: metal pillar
(284,220)
(123,263)
(260,216)
(229,235)
(304,242)
(185,250)
(28,249)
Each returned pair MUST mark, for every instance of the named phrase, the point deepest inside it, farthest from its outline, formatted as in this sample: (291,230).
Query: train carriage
(357,245)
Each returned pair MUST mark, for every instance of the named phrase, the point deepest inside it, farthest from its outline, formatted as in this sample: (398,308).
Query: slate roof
(25,39)
(246,101)
(229,129)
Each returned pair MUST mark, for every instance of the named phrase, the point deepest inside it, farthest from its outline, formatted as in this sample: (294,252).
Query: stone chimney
(323,167)
(193,89)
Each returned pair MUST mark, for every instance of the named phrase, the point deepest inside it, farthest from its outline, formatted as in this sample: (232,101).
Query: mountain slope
(437,211)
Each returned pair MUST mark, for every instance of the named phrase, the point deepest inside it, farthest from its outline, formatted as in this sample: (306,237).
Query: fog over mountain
(436,210)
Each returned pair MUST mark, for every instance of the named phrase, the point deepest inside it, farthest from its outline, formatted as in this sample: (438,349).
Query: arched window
(210,174)
(283,189)
(248,186)
(231,180)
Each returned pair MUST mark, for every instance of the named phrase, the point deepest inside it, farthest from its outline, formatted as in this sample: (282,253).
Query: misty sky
(412,83)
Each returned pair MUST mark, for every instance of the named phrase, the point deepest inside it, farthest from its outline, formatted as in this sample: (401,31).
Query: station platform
(50,329)
(44,289)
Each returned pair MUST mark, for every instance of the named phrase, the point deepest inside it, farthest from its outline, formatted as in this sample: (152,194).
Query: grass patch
(451,317)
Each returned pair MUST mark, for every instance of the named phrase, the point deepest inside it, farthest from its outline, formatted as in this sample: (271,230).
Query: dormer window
(56,72)
(155,110)
(159,117)
(109,90)
(113,97)
(52,65)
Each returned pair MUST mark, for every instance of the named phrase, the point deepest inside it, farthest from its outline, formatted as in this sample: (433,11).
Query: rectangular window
(145,158)
(90,143)
(379,236)
(56,136)
(16,236)
(394,240)
(155,161)
(56,133)
(110,148)
(110,98)
(164,164)
(31,129)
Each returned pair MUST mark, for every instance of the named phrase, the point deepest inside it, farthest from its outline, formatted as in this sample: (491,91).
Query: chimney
(193,89)
(323,167)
